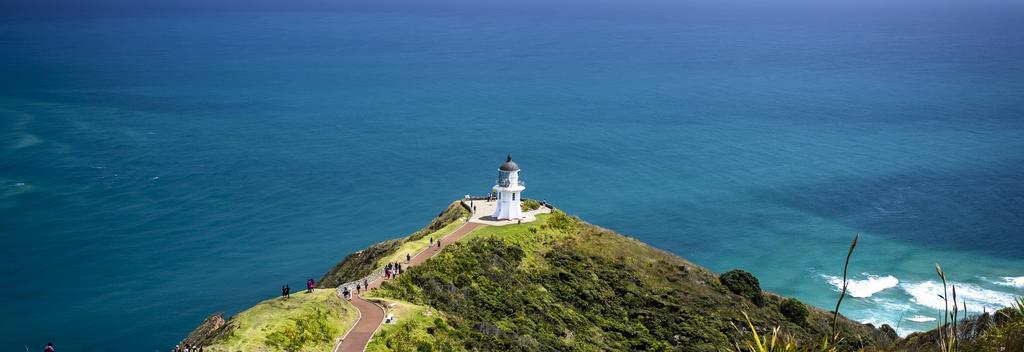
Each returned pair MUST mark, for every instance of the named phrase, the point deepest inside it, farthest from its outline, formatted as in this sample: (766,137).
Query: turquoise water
(155,169)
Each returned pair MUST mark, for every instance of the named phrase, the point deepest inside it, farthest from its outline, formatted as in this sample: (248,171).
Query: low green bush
(529,204)
(311,329)
(744,284)
(793,310)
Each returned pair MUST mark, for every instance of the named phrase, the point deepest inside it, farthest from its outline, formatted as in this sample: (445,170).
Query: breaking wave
(921,319)
(1012,281)
(866,287)
(928,294)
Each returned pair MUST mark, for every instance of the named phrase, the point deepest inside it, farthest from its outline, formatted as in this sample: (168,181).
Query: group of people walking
(187,348)
(345,291)
(392,270)
(286,291)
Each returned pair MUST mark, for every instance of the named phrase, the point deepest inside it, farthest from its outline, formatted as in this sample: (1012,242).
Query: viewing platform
(485,210)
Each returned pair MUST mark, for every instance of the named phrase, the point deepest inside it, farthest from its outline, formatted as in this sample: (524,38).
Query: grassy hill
(302,322)
(562,284)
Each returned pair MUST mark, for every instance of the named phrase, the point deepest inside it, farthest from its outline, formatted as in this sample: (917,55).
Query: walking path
(371,315)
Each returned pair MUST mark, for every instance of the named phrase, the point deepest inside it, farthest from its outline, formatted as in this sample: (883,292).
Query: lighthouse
(509,191)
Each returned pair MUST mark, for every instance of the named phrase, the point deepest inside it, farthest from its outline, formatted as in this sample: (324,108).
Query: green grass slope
(561,284)
(303,322)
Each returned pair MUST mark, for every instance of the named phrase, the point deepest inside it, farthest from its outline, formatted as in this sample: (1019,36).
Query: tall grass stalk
(948,331)
(842,293)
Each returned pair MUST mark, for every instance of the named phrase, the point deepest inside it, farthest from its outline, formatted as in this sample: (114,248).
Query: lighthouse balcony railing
(506,183)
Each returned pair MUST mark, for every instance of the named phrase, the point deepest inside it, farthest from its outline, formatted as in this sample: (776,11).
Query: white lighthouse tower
(508,190)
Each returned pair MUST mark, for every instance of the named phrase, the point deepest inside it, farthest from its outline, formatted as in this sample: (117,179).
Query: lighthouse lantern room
(508,191)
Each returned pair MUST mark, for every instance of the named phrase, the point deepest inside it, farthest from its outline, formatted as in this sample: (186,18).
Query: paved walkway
(371,315)
(485,208)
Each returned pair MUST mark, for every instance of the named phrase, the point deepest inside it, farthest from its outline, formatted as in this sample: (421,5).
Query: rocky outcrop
(213,327)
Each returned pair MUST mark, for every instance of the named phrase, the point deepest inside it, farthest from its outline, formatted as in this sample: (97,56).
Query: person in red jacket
(310,285)
(49,347)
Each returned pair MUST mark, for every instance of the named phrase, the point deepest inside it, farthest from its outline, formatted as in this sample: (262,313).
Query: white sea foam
(866,287)
(1012,281)
(921,319)
(928,294)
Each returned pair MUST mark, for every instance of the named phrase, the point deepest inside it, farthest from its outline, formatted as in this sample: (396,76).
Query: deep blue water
(157,168)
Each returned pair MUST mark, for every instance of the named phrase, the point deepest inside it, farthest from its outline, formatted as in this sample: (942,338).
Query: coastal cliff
(557,283)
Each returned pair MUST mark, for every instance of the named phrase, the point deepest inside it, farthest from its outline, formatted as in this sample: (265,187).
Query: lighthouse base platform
(485,210)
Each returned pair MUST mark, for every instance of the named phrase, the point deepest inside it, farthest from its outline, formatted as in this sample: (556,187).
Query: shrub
(560,221)
(793,310)
(311,329)
(744,284)
(529,204)
(889,332)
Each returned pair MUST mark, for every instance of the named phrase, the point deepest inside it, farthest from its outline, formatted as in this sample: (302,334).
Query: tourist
(287,291)
(399,270)
(366,284)
(49,347)
(347,293)
(438,244)
(284,290)
(310,284)
(359,288)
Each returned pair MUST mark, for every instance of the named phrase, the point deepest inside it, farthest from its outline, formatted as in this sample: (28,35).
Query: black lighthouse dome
(509,165)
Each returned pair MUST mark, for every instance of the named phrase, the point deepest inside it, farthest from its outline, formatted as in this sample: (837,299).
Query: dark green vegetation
(794,310)
(362,263)
(562,284)
(744,284)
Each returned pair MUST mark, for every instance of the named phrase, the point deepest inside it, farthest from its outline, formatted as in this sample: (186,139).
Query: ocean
(159,167)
